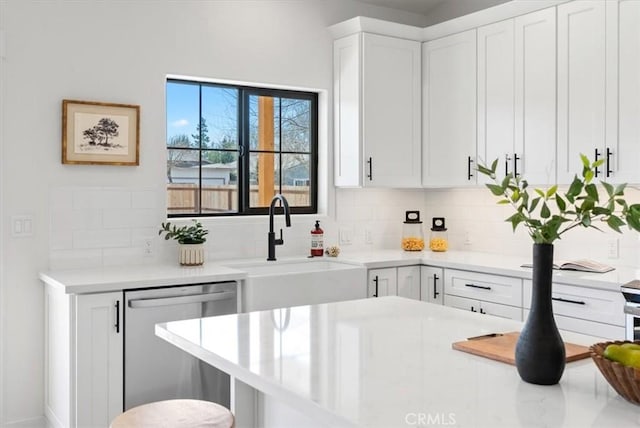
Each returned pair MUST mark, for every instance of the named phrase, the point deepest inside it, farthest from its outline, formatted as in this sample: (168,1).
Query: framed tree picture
(100,133)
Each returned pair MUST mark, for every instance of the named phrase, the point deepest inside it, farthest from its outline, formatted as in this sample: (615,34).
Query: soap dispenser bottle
(317,244)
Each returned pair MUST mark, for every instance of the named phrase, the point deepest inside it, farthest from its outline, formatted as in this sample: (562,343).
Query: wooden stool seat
(176,414)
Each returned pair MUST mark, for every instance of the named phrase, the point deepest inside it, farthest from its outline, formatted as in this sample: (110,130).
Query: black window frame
(244,152)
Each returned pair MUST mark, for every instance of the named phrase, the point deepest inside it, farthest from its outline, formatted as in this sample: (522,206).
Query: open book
(585,265)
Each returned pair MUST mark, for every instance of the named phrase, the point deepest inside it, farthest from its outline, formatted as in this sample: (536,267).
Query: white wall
(101,215)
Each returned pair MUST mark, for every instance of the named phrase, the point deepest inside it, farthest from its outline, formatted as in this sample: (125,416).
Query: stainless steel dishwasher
(156,370)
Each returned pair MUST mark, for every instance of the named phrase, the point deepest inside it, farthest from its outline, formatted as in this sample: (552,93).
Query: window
(230,149)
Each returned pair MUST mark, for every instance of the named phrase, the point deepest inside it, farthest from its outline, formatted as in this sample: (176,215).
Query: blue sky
(219,107)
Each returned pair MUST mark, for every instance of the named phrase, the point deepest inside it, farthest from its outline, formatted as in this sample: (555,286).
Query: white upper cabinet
(449,109)
(625,158)
(517,96)
(582,72)
(599,88)
(496,97)
(535,97)
(377,111)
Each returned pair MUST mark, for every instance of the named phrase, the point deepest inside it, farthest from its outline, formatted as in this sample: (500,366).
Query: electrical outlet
(148,247)
(368,236)
(613,248)
(467,238)
(345,236)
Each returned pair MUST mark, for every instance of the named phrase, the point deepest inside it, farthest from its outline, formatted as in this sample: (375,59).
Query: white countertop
(387,361)
(97,280)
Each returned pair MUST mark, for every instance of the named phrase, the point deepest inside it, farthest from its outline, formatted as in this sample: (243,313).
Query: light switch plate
(22,226)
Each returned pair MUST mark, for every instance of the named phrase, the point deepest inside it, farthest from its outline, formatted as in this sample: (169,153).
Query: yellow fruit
(623,355)
(630,345)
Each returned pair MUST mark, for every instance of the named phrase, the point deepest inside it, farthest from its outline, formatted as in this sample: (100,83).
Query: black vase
(540,353)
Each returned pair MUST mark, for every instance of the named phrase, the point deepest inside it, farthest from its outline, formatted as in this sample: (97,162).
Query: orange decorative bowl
(625,380)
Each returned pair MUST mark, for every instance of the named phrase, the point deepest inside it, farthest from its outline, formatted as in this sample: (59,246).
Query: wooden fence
(186,198)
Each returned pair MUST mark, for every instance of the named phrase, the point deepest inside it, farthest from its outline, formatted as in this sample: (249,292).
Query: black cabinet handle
(506,164)
(469,162)
(435,284)
(596,156)
(575,302)
(117,325)
(482,311)
(375,281)
(609,153)
(473,310)
(516,158)
(482,287)
(370,175)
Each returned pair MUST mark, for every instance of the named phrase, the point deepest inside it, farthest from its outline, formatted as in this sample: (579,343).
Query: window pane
(296,180)
(219,118)
(264,123)
(183,178)
(264,177)
(296,125)
(183,103)
(220,182)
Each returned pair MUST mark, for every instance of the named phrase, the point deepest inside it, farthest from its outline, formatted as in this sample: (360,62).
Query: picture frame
(97,133)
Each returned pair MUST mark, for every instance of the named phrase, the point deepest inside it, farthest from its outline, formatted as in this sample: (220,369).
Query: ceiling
(422,7)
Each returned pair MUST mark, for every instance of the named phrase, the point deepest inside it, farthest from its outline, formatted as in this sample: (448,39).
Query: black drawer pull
(482,287)
(435,285)
(575,302)
(375,281)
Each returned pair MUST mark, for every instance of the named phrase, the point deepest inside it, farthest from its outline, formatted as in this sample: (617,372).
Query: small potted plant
(190,237)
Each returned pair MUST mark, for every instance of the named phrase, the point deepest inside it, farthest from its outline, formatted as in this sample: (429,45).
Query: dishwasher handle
(181,300)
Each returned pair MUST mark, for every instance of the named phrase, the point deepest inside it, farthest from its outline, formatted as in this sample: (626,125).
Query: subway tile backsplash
(106,226)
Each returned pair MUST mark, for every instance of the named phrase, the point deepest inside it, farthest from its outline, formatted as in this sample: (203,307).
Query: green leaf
(552,191)
(534,204)
(515,196)
(515,220)
(561,203)
(592,191)
(504,202)
(505,182)
(484,170)
(575,188)
(588,176)
(540,192)
(609,188)
(586,220)
(620,189)
(495,189)
(585,160)
(597,163)
(544,211)
(494,165)
(615,222)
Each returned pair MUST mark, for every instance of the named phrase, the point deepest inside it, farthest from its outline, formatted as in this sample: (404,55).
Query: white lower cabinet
(402,281)
(84,358)
(484,293)
(486,308)
(584,310)
(432,284)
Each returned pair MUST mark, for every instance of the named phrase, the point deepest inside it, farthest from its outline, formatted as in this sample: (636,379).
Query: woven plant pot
(191,254)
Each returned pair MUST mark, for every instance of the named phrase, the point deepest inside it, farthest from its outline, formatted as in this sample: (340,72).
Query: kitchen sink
(295,282)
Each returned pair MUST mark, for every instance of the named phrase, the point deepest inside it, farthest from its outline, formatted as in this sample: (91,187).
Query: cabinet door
(449,110)
(409,282)
(535,96)
(346,106)
(391,111)
(625,43)
(581,85)
(382,282)
(99,354)
(431,284)
(495,96)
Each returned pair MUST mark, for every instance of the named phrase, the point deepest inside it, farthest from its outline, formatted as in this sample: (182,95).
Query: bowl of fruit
(619,363)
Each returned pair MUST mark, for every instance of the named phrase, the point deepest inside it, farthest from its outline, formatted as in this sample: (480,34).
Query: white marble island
(387,362)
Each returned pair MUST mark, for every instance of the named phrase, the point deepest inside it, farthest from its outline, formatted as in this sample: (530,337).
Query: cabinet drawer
(485,308)
(585,303)
(606,331)
(490,288)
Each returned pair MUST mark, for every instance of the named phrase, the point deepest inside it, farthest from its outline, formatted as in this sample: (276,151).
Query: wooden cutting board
(502,347)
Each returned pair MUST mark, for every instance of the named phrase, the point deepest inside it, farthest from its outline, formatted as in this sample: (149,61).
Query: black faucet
(272,235)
